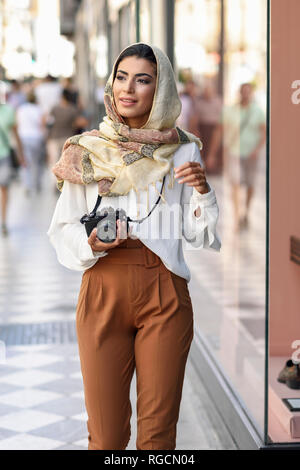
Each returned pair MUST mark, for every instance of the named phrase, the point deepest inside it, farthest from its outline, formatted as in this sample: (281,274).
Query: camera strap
(98,202)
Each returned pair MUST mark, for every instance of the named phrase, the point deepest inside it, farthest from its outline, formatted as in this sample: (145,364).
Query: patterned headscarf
(120,158)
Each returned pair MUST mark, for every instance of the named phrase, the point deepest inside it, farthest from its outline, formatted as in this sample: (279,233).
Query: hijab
(120,158)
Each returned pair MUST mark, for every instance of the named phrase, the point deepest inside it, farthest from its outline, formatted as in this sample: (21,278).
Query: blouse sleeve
(67,234)
(200,231)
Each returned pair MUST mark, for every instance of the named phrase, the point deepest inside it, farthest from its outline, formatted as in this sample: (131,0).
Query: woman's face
(133,90)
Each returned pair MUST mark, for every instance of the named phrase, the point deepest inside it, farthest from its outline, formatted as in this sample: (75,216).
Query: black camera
(106,223)
(106,220)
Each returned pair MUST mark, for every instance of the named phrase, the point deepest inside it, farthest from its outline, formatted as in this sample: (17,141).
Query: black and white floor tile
(41,390)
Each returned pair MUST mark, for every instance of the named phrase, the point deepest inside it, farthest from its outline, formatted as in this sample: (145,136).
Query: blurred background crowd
(36,118)
(38,115)
(56,57)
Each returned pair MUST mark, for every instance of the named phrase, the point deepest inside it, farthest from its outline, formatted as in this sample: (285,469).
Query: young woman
(134,309)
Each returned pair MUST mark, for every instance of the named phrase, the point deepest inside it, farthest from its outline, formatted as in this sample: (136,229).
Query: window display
(284,272)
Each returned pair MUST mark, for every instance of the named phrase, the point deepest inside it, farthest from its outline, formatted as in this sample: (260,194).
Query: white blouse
(171,223)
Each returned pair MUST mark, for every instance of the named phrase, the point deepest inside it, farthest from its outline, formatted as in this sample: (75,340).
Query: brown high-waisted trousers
(133,313)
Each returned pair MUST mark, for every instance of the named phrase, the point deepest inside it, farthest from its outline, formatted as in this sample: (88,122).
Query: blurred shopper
(64,120)
(192,89)
(31,131)
(48,94)
(7,124)
(244,134)
(99,96)
(75,98)
(187,108)
(188,96)
(16,96)
(77,101)
(205,118)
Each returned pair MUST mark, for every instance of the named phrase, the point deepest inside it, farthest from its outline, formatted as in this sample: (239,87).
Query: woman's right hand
(98,245)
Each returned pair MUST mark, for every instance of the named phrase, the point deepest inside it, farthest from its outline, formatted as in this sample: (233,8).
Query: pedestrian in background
(75,98)
(32,134)
(7,125)
(48,94)
(183,120)
(99,96)
(188,93)
(204,119)
(64,119)
(134,309)
(16,96)
(243,126)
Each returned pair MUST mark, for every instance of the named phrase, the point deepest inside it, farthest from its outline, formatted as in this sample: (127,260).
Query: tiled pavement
(42,404)
(41,390)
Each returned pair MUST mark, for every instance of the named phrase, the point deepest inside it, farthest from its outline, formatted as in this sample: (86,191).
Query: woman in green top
(7,124)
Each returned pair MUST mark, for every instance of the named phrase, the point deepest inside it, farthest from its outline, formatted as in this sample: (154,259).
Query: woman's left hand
(194,175)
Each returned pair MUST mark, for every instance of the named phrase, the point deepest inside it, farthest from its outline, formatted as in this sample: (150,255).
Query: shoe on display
(294,381)
(289,371)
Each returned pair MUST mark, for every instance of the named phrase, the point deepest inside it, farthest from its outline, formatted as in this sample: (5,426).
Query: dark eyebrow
(136,75)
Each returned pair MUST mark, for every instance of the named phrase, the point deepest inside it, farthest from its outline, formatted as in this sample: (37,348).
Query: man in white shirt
(48,94)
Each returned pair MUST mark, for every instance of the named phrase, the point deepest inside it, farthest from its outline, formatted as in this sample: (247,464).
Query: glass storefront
(228,288)
(284,273)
